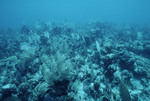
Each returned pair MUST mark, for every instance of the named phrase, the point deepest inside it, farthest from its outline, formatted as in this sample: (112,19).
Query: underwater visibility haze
(74,50)
(15,12)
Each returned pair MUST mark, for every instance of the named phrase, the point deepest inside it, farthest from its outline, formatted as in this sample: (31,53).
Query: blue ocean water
(74,50)
(15,12)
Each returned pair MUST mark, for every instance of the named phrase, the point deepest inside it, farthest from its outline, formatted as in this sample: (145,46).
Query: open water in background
(14,13)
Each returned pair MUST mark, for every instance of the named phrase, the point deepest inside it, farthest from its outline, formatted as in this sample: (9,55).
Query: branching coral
(56,68)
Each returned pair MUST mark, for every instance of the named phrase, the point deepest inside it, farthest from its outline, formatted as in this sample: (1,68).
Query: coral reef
(97,61)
